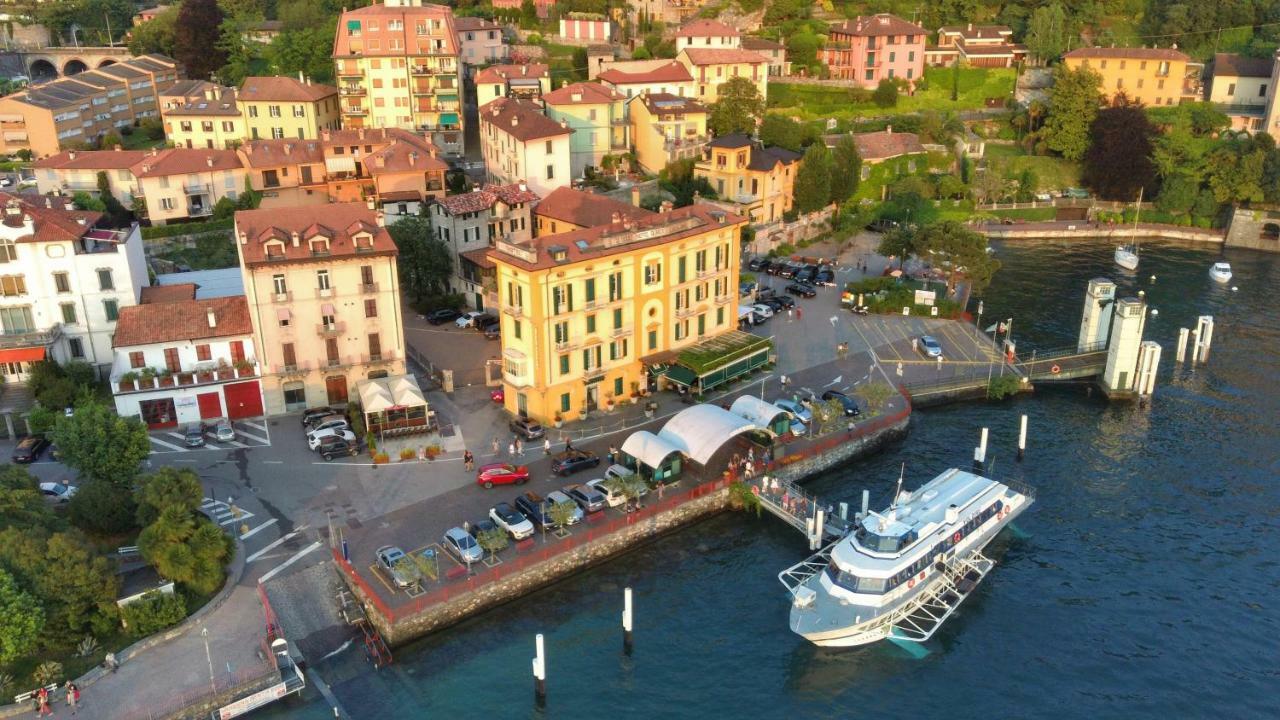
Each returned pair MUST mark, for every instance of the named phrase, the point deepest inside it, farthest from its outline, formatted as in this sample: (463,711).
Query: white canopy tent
(701,430)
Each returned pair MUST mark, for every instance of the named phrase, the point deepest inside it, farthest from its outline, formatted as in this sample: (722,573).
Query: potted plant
(127,381)
(407,454)
(225,371)
(147,379)
(204,375)
(166,377)
(381,458)
(244,367)
(561,515)
(186,378)
(559,421)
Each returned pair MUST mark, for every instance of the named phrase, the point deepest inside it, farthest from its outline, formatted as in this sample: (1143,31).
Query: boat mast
(1137,211)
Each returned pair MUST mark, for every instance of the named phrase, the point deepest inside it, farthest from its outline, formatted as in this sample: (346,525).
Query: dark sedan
(571,461)
(443,315)
(805,291)
(29,449)
(850,407)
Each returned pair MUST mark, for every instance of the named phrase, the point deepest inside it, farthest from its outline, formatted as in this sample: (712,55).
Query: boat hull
(1126,259)
(1218,276)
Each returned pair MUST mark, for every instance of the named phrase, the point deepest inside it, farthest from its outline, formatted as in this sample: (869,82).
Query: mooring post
(819,521)
(626,622)
(539,672)
(1182,344)
(866,503)
(980,452)
(1206,337)
(1022,437)
(844,511)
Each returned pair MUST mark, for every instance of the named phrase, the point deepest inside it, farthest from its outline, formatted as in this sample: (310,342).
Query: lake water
(1143,583)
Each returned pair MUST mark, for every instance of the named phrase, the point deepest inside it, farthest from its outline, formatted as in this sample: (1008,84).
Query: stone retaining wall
(855,448)
(1083,231)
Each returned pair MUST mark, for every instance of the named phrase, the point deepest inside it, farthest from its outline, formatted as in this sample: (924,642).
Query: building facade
(398,67)
(666,128)
(323,299)
(471,223)
(580,27)
(209,120)
(760,181)
(567,209)
(1151,76)
(480,41)
(63,283)
(584,313)
(774,52)
(875,48)
(976,46)
(1241,87)
(282,107)
(596,115)
(526,82)
(520,144)
(704,33)
(713,67)
(632,78)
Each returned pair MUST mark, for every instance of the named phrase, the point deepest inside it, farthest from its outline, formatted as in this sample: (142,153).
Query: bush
(164,231)
(886,94)
(1003,386)
(154,612)
(153,128)
(102,508)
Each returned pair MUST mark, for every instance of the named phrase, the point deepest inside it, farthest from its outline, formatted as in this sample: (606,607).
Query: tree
(21,620)
(678,179)
(561,515)
(874,394)
(846,169)
(528,15)
(781,131)
(1234,173)
(641,53)
(737,109)
(813,179)
(1047,32)
(1027,184)
(493,540)
(301,15)
(82,200)
(153,612)
(21,504)
(74,584)
(1118,161)
(186,549)
(425,262)
(102,508)
(1073,105)
(168,488)
(885,94)
(899,242)
(196,36)
(951,187)
(959,252)
(802,48)
(1177,195)
(119,215)
(306,51)
(101,445)
(156,35)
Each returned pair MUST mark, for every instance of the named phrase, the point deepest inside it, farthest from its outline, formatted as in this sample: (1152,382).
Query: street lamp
(213,686)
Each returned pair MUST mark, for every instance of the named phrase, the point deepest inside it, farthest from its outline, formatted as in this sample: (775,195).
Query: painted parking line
(254,425)
(261,440)
(162,443)
(179,436)
(251,533)
(234,443)
(298,556)
(274,545)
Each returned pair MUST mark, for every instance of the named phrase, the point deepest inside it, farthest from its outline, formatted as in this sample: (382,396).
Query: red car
(502,474)
(498,395)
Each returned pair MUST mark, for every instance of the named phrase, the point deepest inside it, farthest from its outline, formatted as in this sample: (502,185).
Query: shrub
(407,454)
(47,673)
(154,612)
(1003,386)
(100,507)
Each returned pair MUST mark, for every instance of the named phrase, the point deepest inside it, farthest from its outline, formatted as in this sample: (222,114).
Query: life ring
(1055,369)
(955,539)
(911,583)
(921,574)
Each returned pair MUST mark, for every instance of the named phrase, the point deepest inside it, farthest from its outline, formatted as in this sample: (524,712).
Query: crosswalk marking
(274,545)
(251,533)
(179,436)
(262,440)
(254,425)
(162,443)
(297,556)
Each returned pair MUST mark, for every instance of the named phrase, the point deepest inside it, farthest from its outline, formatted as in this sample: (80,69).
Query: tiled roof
(876,25)
(406,38)
(472,24)
(186,88)
(502,73)
(168,293)
(887,144)
(702,27)
(977,32)
(1233,65)
(987,49)
(670,72)
(199,105)
(182,161)
(582,93)
(484,198)
(585,209)
(405,153)
(751,42)
(164,322)
(52,219)
(733,140)
(366,136)
(601,241)
(668,104)
(479,256)
(521,119)
(722,56)
(1141,53)
(284,89)
(338,221)
(93,159)
(277,152)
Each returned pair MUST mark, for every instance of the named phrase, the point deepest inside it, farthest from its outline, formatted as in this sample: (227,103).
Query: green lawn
(1004,151)
(813,102)
(138,140)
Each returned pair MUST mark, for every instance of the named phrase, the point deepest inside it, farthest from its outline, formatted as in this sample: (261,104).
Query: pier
(799,508)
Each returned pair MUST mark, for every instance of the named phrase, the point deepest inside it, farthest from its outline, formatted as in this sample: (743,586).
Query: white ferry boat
(902,572)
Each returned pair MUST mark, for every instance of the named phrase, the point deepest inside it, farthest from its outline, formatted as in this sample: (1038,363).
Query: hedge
(165,231)
(153,613)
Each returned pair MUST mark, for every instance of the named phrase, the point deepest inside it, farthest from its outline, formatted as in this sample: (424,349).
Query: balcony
(298,368)
(198,189)
(352,70)
(591,374)
(421,70)
(324,292)
(80,185)
(34,338)
(199,210)
(723,299)
(337,362)
(514,311)
(368,288)
(685,312)
(330,329)
(621,332)
(563,345)
(385,356)
(281,297)
(704,274)
(347,110)
(351,90)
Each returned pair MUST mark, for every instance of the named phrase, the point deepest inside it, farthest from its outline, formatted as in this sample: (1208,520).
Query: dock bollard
(1022,438)
(539,673)
(626,622)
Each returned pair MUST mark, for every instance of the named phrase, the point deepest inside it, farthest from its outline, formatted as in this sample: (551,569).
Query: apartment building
(79,109)
(583,27)
(713,67)
(284,107)
(541,7)
(669,12)
(874,48)
(759,180)
(520,144)
(774,52)
(596,115)
(398,67)
(975,45)
(63,283)
(210,120)
(666,128)
(1152,76)
(705,33)
(584,313)
(387,164)
(633,78)
(186,91)
(323,299)
(470,224)
(567,209)
(480,41)
(526,82)
(181,360)
(288,173)
(1241,87)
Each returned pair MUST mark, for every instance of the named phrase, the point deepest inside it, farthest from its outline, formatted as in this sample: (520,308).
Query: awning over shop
(681,375)
(717,360)
(22,354)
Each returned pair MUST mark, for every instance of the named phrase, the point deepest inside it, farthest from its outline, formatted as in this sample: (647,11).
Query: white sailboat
(1126,256)
(1220,272)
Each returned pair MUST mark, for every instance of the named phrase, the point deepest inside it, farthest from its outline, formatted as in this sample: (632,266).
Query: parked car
(797,410)
(1077,193)
(825,278)
(763,310)
(535,507)
(478,528)
(588,498)
(461,545)
(224,431)
(746,288)
(29,448)
(806,273)
(511,520)
(1043,197)
(493,331)
(571,461)
(930,346)
(194,435)
(319,437)
(526,428)
(468,319)
(757,318)
(555,497)
(337,446)
(502,474)
(613,497)
(850,406)
(756,264)
(805,291)
(786,301)
(310,415)
(774,304)
(443,315)
(57,492)
(329,422)
(402,573)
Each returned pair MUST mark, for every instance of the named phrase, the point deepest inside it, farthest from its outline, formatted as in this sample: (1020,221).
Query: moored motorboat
(1126,256)
(1220,272)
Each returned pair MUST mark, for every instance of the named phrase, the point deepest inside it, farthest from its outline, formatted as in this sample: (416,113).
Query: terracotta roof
(585,209)
(751,42)
(876,25)
(732,140)
(521,119)
(1233,65)
(582,93)
(706,28)
(398,195)
(484,198)
(471,24)
(337,221)
(407,38)
(1140,53)
(977,32)
(887,144)
(591,244)
(52,219)
(284,89)
(168,293)
(93,159)
(198,105)
(670,72)
(367,136)
(164,322)
(479,256)
(722,56)
(181,161)
(502,73)
(277,152)
(405,153)
(668,104)
(987,50)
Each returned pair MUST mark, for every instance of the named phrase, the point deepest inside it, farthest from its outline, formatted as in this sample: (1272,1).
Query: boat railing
(800,573)
(1020,487)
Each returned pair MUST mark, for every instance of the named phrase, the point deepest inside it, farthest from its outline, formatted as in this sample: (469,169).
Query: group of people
(747,466)
(42,700)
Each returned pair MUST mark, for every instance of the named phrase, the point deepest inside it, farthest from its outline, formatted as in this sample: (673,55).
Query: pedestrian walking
(613,452)
(788,314)
(568,443)
(773,485)
(546,446)
(511,449)
(661,487)
(786,501)
(468,460)
(42,702)
(519,447)
(495,446)
(73,696)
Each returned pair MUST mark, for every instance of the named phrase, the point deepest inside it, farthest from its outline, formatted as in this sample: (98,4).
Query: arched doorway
(106,62)
(74,67)
(1271,231)
(42,71)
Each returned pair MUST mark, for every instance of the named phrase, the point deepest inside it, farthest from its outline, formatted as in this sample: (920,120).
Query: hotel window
(203,352)
(278,283)
(618,349)
(171,360)
(591,358)
(653,273)
(112,310)
(16,320)
(166,203)
(719,316)
(591,323)
(680,331)
(331,351)
(68,313)
(561,332)
(273,110)
(253,111)
(371,308)
(1104,64)
(299,111)
(104,280)
(228,126)
(287,355)
(617,318)
(551,172)
(680,268)
(322,279)
(615,287)
(137,360)
(702,324)
(11,285)
(375,346)
(516,325)
(564,402)
(564,364)
(589,286)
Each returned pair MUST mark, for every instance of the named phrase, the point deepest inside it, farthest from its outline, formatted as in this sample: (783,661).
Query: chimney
(361,133)
(324,134)
(888,129)
(576,97)
(79,220)
(616,217)
(524,69)
(665,207)
(294,236)
(970,27)
(300,77)
(564,83)
(213,320)
(208,160)
(635,195)
(523,187)
(48,202)
(244,237)
(71,154)
(370,203)
(514,121)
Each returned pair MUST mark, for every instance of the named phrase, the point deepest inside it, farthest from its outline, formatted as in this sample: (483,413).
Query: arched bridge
(44,64)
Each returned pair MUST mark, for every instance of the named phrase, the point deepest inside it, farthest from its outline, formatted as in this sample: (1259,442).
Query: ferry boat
(1220,272)
(902,572)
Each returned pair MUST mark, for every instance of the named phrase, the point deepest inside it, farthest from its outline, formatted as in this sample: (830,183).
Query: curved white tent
(763,414)
(701,430)
(648,449)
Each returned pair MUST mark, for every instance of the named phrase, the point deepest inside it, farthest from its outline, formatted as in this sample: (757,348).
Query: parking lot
(249,434)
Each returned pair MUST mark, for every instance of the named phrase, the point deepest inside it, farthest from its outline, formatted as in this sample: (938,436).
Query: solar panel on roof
(582,244)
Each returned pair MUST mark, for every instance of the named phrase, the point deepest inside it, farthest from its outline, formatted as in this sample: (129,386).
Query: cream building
(282,107)
(666,128)
(529,82)
(705,33)
(636,77)
(209,120)
(520,144)
(712,67)
(595,114)
(324,300)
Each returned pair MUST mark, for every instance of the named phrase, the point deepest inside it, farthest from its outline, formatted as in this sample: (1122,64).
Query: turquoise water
(1143,583)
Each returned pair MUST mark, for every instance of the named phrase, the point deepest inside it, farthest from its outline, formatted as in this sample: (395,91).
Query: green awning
(447,98)
(681,375)
(353,24)
(448,118)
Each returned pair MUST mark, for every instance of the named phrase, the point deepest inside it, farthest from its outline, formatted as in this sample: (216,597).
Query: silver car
(390,559)
(224,431)
(589,498)
(555,497)
(461,545)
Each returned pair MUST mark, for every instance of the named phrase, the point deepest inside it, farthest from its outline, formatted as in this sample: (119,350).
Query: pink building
(543,7)
(875,48)
(587,27)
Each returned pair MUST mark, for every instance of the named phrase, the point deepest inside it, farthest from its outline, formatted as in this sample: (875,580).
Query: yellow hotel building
(583,312)
(1152,76)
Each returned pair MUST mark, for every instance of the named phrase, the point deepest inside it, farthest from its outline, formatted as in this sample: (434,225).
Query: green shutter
(680,269)
(617,318)
(702,324)
(590,289)
(564,402)
(591,323)
(617,387)
(653,339)
(564,364)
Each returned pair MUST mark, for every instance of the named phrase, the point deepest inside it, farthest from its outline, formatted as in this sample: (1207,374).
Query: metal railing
(368,288)
(31,339)
(330,329)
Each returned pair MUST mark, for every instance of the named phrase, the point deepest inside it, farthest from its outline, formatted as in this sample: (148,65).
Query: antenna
(898,492)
